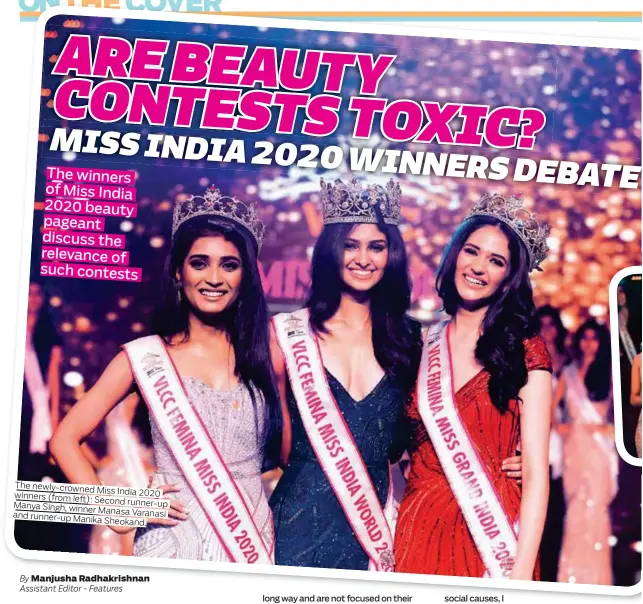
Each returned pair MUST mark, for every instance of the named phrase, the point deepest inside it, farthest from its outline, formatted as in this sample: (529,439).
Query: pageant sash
(628,344)
(333,442)
(587,414)
(490,528)
(195,452)
(584,407)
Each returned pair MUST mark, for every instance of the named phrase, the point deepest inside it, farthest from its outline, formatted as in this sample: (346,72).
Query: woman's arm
(535,420)
(85,416)
(279,367)
(635,396)
(561,429)
(66,445)
(92,458)
(53,383)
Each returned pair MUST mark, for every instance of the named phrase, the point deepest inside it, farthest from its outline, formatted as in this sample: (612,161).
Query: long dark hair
(246,321)
(510,318)
(396,337)
(44,335)
(561,333)
(632,290)
(597,378)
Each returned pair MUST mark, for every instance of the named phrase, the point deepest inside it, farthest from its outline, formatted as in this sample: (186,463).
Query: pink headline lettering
(221,78)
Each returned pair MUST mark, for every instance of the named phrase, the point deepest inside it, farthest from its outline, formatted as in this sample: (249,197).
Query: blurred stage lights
(611,229)
(73,379)
(627,235)
(598,310)
(427,304)
(83,324)
(127,226)
(66,327)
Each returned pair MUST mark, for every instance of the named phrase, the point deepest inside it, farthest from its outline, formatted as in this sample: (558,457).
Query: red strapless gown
(432,536)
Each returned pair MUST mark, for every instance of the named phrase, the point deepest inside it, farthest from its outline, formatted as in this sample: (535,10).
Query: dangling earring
(179,295)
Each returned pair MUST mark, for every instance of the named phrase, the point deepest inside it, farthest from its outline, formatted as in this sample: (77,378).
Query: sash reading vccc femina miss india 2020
(491,529)
(195,452)
(333,442)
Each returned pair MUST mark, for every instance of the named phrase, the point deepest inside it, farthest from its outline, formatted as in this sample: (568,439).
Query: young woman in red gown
(502,384)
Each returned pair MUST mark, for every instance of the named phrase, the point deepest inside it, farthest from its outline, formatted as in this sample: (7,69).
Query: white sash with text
(490,528)
(195,452)
(332,440)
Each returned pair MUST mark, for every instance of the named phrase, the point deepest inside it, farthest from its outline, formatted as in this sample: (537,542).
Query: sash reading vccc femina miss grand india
(201,463)
(490,528)
(333,443)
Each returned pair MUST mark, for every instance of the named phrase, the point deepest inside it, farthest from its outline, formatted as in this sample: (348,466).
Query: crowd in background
(593,523)
(592,98)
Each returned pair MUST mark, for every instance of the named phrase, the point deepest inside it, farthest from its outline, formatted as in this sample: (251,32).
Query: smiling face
(211,274)
(482,264)
(365,257)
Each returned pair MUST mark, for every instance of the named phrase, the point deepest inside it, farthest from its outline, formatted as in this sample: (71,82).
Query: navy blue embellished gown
(310,526)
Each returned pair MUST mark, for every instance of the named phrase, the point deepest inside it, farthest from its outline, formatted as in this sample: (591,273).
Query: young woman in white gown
(213,326)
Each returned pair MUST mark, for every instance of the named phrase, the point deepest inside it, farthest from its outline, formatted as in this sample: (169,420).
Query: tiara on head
(521,221)
(350,202)
(214,204)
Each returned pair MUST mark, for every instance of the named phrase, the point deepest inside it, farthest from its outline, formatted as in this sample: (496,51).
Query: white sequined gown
(237,430)
(590,482)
